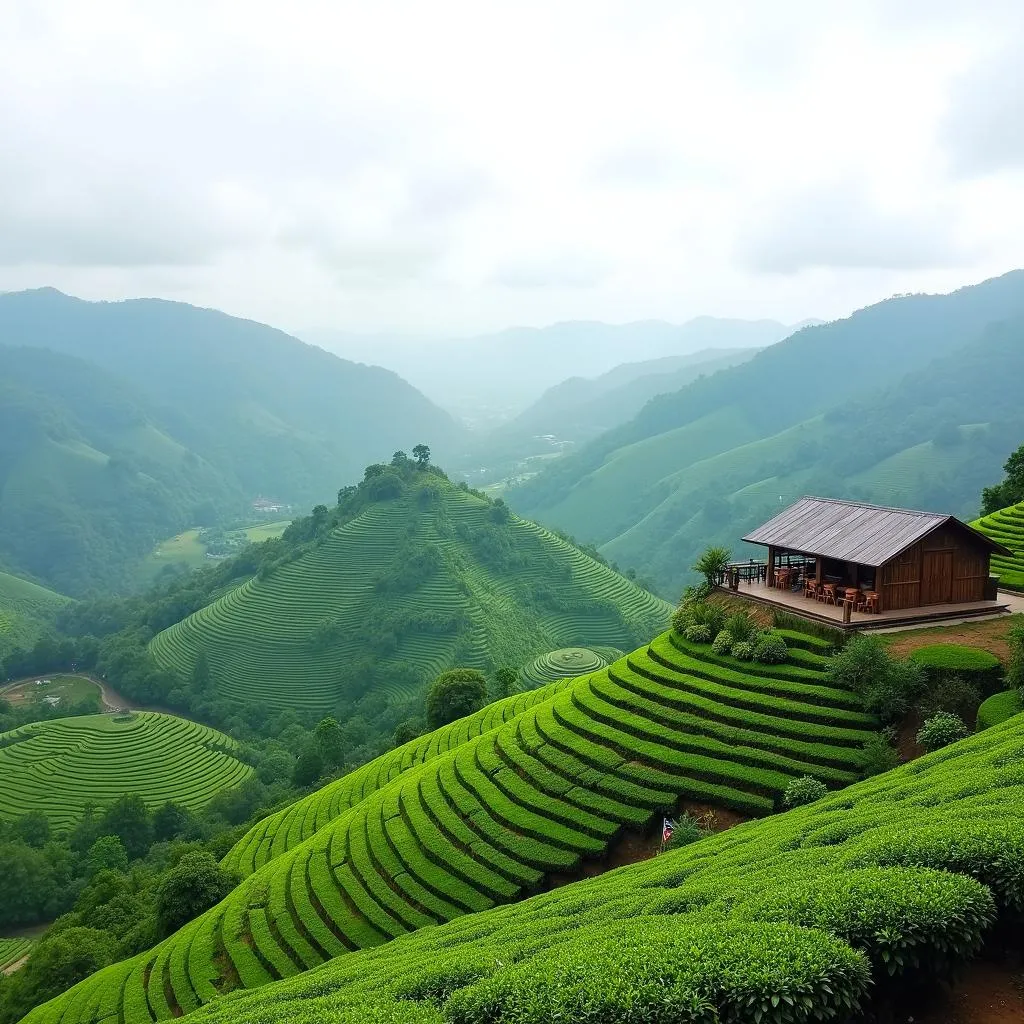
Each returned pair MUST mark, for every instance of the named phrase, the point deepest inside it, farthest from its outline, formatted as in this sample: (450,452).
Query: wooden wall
(949,566)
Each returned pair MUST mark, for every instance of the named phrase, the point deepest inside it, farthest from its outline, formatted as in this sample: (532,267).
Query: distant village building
(269,505)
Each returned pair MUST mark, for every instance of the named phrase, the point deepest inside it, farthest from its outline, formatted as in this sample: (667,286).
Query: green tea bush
(999,707)
(686,830)
(771,649)
(940,730)
(698,634)
(722,644)
(804,790)
(888,687)
(944,662)
(954,694)
(1015,669)
(743,651)
(665,971)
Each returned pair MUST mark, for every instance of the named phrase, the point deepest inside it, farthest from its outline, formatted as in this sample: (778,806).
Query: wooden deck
(832,615)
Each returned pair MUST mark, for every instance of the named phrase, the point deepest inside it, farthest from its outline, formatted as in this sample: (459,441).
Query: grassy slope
(1007,527)
(259,638)
(484,811)
(60,766)
(25,611)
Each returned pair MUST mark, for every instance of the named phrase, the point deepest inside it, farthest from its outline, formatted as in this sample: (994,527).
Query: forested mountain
(913,401)
(90,474)
(279,416)
(120,419)
(491,377)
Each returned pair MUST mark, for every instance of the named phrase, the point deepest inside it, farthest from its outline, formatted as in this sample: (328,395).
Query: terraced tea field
(566,663)
(1007,527)
(485,811)
(287,640)
(823,906)
(12,953)
(25,611)
(60,766)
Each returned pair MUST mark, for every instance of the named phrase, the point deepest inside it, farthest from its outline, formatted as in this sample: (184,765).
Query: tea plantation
(486,811)
(1007,527)
(12,951)
(799,917)
(60,766)
(423,583)
(25,610)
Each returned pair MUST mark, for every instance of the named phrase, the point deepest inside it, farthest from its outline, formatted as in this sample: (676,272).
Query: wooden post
(847,610)
(770,579)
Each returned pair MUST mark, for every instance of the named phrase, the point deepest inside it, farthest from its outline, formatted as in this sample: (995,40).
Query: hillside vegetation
(26,611)
(142,412)
(12,952)
(60,767)
(486,811)
(418,576)
(913,402)
(1007,527)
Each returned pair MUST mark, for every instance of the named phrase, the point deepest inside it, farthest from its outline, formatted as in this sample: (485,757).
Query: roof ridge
(882,508)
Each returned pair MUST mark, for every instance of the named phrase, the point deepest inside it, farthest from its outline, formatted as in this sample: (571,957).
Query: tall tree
(455,694)
(128,819)
(329,741)
(1011,490)
(421,453)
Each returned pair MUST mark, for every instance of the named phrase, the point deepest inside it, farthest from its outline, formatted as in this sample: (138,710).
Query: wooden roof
(853,532)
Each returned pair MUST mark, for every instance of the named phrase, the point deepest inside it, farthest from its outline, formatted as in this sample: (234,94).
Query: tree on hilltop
(455,694)
(329,741)
(196,883)
(1011,490)
(421,453)
(506,679)
(400,460)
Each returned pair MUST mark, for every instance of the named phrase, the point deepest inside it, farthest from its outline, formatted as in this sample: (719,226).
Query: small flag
(667,828)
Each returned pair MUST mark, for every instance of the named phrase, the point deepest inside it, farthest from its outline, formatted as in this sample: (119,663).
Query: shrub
(887,686)
(955,695)
(999,707)
(771,649)
(1015,670)
(804,790)
(741,626)
(743,651)
(940,730)
(686,830)
(698,634)
(943,662)
(722,644)
(878,755)
(712,564)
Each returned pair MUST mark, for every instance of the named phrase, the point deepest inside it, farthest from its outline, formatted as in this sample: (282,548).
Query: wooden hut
(909,559)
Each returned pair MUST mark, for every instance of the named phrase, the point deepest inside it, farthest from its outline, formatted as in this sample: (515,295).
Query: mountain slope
(1007,527)
(26,611)
(276,415)
(895,880)
(701,464)
(428,577)
(468,825)
(90,475)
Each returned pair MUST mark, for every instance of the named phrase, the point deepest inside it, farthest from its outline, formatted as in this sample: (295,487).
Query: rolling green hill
(404,588)
(26,611)
(788,919)
(912,402)
(492,809)
(1007,527)
(61,766)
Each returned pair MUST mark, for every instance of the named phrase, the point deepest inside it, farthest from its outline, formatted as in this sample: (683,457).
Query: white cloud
(468,164)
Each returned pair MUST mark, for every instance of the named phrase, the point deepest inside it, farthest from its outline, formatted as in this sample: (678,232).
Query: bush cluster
(722,644)
(943,663)
(888,687)
(940,730)
(771,649)
(804,790)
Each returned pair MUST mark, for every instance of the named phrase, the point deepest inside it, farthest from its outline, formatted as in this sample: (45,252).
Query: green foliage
(107,854)
(686,830)
(742,651)
(34,828)
(998,708)
(940,730)
(944,662)
(566,663)
(193,885)
(698,634)
(712,563)
(879,755)
(1007,527)
(722,644)
(804,790)
(888,687)
(952,694)
(1010,490)
(770,649)
(1015,669)
(741,626)
(506,680)
(330,742)
(309,767)
(454,694)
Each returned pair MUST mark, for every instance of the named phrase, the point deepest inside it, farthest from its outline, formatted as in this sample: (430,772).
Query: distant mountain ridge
(499,375)
(915,400)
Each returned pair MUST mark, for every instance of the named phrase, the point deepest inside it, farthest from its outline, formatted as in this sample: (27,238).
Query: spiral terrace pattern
(480,813)
(566,663)
(258,637)
(1007,527)
(59,767)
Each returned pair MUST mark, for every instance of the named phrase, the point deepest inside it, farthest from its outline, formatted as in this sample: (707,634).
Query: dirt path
(110,698)
(16,966)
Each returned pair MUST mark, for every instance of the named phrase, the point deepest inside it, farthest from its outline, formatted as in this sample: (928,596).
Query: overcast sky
(463,166)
